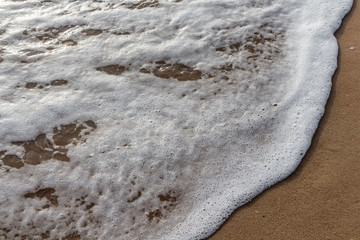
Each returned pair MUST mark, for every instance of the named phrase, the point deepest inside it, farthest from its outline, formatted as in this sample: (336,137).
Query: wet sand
(321,199)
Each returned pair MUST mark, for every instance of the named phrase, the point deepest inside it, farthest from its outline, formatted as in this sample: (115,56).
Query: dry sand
(321,200)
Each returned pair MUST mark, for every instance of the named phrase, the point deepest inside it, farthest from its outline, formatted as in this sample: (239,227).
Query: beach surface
(185,111)
(321,199)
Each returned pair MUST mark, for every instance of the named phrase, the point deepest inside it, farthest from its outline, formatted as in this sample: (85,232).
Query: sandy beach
(185,109)
(321,199)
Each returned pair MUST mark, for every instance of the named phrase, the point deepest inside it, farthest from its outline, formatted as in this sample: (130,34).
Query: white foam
(189,151)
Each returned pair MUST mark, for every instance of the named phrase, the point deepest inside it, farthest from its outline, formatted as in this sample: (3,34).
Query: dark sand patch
(92,32)
(49,33)
(47,193)
(168,203)
(44,148)
(54,83)
(69,42)
(178,71)
(115,69)
(144,4)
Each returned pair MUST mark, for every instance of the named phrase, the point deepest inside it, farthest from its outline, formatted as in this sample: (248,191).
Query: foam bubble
(154,119)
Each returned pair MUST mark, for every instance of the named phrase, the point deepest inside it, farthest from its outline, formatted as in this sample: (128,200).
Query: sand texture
(321,200)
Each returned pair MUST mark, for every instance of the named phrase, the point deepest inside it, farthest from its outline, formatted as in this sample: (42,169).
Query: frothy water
(154,119)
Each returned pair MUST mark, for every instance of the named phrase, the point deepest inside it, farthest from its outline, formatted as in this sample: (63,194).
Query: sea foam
(154,119)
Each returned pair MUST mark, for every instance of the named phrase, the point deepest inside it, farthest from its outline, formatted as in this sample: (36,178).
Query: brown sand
(321,200)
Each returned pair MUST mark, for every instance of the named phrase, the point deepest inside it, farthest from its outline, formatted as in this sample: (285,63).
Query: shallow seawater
(154,119)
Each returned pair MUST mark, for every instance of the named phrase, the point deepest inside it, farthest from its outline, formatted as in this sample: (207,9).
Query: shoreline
(321,199)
